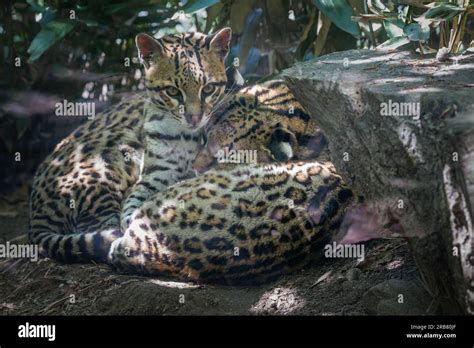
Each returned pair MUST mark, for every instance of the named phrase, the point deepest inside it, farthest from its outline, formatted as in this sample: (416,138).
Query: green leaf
(394,28)
(382,6)
(443,12)
(416,32)
(394,43)
(47,13)
(194,6)
(130,6)
(340,13)
(35,6)
(48,36)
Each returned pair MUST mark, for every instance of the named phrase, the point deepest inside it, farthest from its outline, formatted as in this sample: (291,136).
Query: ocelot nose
(193,119)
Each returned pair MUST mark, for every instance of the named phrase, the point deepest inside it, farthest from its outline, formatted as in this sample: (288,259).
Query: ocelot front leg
(167,160)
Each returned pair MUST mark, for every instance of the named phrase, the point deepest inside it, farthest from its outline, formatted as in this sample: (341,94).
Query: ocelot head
(185,74)
(245,131)
(231,141)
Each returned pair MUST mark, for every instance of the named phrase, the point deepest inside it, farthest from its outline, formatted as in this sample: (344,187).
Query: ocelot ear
(282,144)
(220,41)
(147,47)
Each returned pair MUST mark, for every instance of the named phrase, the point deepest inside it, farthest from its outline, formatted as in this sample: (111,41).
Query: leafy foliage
(423,22)
(53,31)
(268,34)
(85,49)
(340,14)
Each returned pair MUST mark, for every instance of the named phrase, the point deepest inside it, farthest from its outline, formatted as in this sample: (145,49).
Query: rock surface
(401,133)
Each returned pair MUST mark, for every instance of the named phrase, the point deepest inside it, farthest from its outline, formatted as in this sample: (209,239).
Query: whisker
(226,97)
(146,98)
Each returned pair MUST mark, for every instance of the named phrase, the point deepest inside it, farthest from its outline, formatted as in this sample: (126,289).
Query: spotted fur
(78,191)
(185,78)
(265,118)
(245,225)
(235,224)
(242,223)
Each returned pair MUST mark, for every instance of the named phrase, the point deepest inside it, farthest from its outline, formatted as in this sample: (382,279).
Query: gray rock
(400,130)
(353,274)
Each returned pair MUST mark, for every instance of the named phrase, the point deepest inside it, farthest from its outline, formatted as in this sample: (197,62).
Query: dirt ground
(385,283)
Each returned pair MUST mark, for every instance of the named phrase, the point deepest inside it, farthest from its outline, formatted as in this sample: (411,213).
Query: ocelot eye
(208,89)
(172,91)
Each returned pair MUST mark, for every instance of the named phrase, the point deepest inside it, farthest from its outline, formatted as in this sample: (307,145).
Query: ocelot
(139,146)
(110,191)
(242,223)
